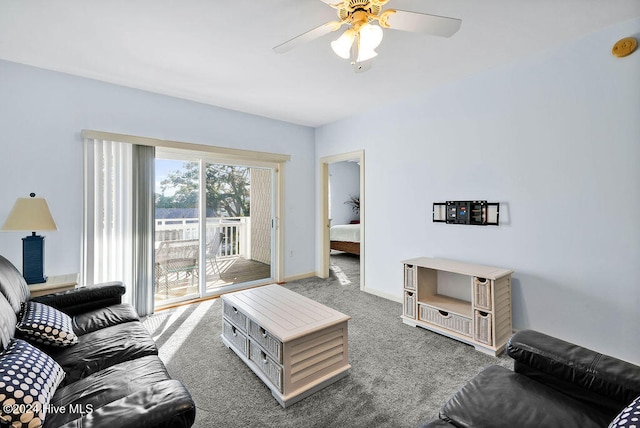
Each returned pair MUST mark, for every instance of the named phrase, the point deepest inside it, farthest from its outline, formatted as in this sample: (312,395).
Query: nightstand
(55,284)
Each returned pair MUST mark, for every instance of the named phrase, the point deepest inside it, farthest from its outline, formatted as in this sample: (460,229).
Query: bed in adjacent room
(345,237)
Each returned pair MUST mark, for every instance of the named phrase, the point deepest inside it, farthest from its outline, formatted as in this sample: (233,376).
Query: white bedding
(345,232)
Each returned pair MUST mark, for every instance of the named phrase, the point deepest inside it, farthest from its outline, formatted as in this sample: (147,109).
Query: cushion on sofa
(45,325)
(164,404)
(28,379)
(107,386)
(104,348)
(500,398)
(103,318)
(7,322)
(629,417)
(12,285)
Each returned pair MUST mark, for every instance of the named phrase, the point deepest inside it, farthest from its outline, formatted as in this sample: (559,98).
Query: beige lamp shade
(30,214)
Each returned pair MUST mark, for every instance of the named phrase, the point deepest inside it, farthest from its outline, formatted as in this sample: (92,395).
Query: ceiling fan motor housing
(348,7)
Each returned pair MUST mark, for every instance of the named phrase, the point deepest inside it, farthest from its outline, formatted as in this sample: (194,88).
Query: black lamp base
(33,259)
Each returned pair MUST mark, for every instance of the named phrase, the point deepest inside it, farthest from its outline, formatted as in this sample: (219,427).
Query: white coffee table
(295,345)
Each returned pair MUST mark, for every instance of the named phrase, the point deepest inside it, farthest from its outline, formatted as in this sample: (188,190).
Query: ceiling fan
(359,40)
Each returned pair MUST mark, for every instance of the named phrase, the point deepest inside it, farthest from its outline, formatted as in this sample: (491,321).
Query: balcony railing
(235,240)
(179,267)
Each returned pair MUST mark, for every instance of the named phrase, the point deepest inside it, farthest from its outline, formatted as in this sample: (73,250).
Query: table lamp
(31,214)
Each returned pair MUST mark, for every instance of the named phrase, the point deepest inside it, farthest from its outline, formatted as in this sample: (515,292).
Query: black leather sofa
(113,376)
(554,384)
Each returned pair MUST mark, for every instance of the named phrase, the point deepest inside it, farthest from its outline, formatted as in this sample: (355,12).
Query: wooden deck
(233,270)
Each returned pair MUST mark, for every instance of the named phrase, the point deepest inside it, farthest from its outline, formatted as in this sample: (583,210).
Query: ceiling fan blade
(423,23)
(308,36)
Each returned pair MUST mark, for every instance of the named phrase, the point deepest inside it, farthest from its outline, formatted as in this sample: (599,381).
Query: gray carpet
(400,375)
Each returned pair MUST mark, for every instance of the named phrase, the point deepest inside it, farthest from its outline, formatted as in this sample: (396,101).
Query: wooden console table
(474,308)
(295,345)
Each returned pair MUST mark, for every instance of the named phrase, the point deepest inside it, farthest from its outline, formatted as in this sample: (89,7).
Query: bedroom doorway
(342,212)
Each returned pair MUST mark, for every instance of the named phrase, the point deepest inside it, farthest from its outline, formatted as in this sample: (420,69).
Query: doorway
(352,241)
(214,226)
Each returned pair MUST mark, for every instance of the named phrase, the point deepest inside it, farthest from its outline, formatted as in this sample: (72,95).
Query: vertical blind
(118,227)
(143,227)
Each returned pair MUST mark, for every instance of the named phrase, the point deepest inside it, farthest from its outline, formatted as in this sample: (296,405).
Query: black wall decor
(479,213)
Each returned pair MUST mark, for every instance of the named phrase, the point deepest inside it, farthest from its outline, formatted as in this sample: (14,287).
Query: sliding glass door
(214,227)
(238,227)
(177,230)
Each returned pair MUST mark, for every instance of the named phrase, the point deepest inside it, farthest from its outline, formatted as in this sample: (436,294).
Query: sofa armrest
(83,299)
(166,404)
(599,380)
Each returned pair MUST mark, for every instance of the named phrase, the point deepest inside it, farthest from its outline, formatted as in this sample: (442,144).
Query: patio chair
(174,257)
(213,248)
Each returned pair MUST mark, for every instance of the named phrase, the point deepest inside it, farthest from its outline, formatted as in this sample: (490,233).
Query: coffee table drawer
(235,316)
(235,336)
(266,364)
(266,340)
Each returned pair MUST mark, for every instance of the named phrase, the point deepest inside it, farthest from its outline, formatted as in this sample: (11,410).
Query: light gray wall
(555,138)
(344,178)
(41,116)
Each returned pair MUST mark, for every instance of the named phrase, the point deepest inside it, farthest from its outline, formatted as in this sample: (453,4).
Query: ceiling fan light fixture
(370,36)
(342,45)
(365,54)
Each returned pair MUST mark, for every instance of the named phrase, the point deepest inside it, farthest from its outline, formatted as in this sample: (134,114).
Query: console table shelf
(448,304)
(472,304)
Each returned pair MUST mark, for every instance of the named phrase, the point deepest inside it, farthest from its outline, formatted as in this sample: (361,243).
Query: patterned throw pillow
(629,417)
(28,380)
(43,324)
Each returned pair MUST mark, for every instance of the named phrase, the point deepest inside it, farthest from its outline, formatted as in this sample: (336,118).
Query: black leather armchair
(554,384)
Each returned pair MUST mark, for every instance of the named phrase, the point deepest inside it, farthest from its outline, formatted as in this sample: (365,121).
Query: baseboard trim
(297,277)
(382,294)
(378,293)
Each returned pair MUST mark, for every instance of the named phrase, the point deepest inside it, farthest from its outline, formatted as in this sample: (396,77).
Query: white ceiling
(220,53)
